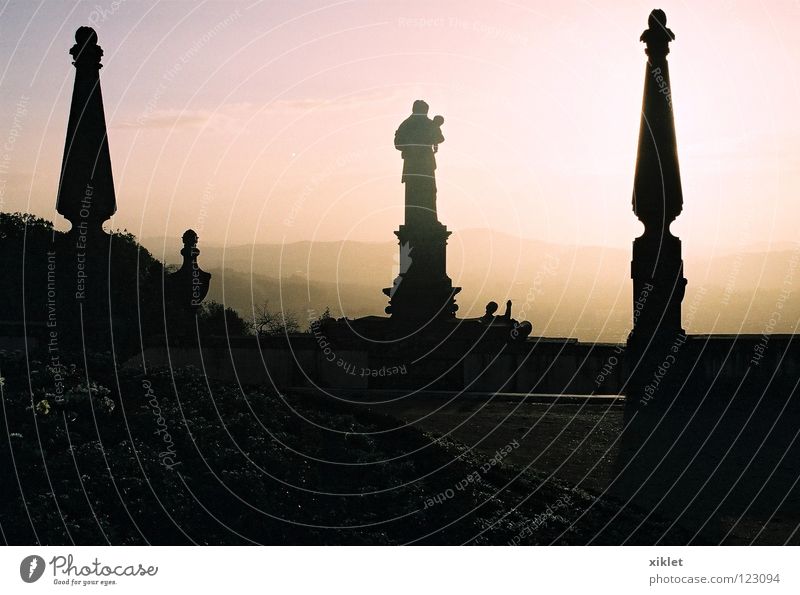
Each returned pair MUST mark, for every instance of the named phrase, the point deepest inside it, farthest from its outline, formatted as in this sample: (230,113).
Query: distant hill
(578,291)
(307,299)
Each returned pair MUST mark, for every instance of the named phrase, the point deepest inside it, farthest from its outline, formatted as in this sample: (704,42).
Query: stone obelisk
(652,421)
(86,199)
(657,266)
(86,188)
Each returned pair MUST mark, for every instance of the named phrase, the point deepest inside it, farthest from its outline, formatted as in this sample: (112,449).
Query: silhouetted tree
(269,322)
(215,319)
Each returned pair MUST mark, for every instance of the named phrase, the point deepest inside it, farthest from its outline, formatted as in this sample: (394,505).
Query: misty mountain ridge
(577,291)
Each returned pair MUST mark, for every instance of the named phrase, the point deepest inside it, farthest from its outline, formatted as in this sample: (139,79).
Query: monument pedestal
(422,291)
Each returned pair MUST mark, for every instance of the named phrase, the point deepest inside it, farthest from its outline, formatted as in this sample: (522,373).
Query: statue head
(420,108)
(491,308)
(657,36)
(657,19)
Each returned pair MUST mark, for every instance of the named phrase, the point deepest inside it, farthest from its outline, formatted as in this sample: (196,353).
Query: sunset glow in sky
(273,121)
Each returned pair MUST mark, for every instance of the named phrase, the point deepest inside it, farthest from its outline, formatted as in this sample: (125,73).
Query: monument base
(422,291)
(389,352)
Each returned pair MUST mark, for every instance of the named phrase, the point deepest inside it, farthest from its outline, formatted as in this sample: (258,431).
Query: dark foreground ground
(574,439)
(577,440)
(169,457)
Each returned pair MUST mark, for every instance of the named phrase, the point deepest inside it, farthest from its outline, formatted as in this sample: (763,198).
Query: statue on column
(418,139)
(422,290)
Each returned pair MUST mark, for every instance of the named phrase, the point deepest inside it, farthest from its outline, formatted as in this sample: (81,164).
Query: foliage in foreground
(122,292)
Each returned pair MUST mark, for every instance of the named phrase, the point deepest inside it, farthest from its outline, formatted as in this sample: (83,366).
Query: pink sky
(273,121)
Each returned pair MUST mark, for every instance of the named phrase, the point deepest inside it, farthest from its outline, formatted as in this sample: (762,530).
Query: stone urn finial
(188,286)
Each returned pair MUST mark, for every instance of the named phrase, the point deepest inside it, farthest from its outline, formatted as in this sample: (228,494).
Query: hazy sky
(273,121)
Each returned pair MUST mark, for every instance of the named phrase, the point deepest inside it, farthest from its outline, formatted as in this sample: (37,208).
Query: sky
(273,121)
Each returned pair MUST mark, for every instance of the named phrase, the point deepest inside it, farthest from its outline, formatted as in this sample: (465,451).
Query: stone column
(658,468)
(657,266)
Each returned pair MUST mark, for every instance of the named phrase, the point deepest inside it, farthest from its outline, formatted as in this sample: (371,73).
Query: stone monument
(657,266)
(422,291)
(86,188)
(187,287)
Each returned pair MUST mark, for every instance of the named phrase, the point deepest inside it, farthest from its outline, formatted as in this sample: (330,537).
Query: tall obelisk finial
(657,267)
(86,190)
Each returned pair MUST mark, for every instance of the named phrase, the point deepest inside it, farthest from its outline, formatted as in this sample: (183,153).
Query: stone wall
(539,365)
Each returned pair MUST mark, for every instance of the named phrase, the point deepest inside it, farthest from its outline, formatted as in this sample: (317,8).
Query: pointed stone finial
(86,195)
(657,193)
(188,286)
